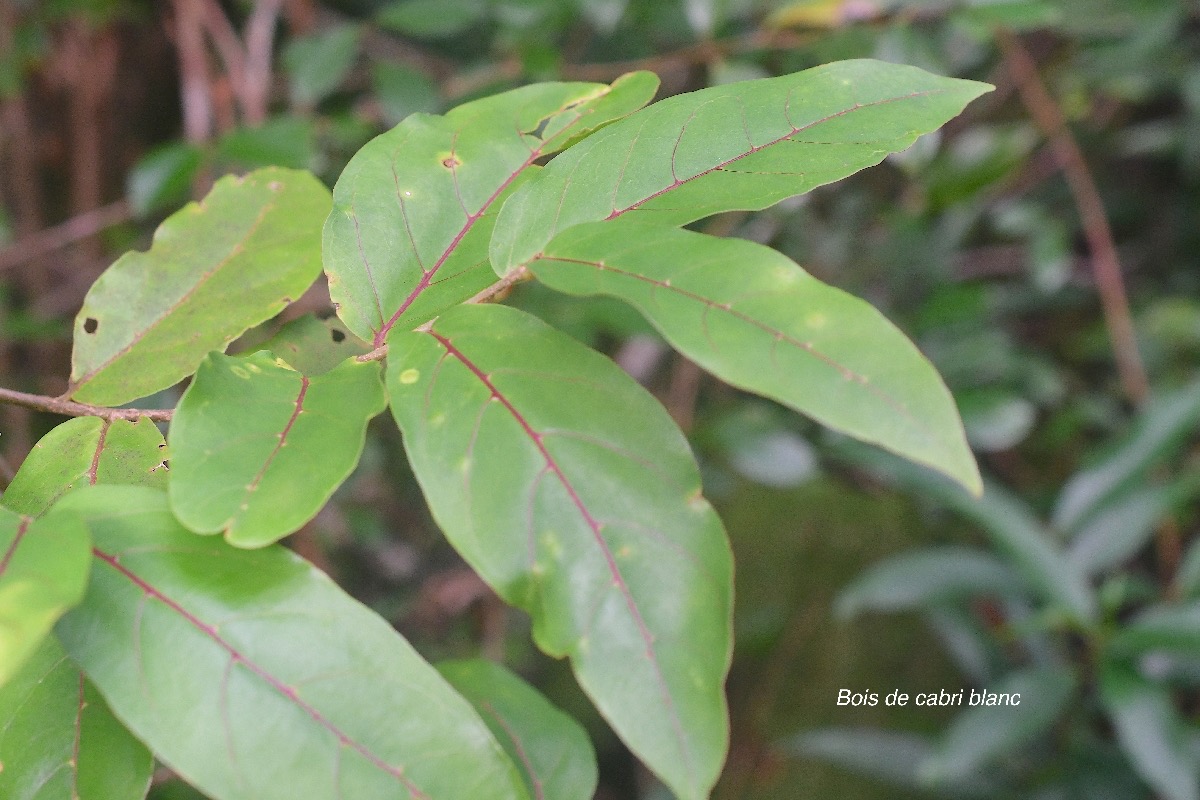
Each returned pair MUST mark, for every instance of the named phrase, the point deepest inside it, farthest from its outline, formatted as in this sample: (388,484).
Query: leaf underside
(414,209)
(572,493)
(754,318)
(215,656)
(551,749)
(259,448)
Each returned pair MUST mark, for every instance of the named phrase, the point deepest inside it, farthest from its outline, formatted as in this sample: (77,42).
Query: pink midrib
(592,523)
(251,487)
(427,276)
(210,631)
(12,548)
(775,333)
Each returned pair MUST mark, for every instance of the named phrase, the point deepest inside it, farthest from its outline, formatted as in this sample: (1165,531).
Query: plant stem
(69,408)
(1106,265)
(497,291)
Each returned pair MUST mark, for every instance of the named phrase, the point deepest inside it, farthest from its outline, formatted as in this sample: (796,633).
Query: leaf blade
(851,114)
(44,567)
(559,507)
(60,740)
(550,748)
(769,327)
(363,714)
(414,209)
(259,448)
(230,262)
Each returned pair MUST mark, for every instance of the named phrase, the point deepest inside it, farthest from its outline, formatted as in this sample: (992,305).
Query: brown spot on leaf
(450,162)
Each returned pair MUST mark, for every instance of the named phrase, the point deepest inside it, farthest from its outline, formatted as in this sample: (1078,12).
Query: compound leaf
(550,748)
(83,451)
(216,268)
(743,145)
(60,741)
(754,318)
(572,493)
(254,677)
(259,447)
(43,572)
(414,209)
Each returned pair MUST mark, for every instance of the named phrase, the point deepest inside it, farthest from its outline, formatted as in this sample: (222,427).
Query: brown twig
(194,76)
(73,230)
(1106,265)
(256,82)
(69,408)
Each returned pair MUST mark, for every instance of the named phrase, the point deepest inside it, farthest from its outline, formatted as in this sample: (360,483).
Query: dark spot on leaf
(162,446)
(90,325)
(336,335)
(450,162)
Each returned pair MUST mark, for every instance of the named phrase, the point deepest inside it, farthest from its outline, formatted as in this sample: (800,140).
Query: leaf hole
(540,131)
(337,335)
(90,325)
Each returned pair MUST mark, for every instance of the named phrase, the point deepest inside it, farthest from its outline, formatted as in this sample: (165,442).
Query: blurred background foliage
(1042,250)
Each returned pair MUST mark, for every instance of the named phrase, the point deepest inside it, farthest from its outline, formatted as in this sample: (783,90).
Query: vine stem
(1106,265)
(69,408)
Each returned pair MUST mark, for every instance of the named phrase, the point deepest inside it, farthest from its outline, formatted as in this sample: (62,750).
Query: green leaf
(314,346)
(87,450)
(927,577)
(162,178)
(888,756)
(1006,521)
(59,740)
(402,90)
(254,677)
(1122,527)
(981,734)
(1151,733)
(550,748)
(317,64)
(1161,429)
(1175,628)
(215,269)
(414,209)
(431,19)
(257,447)
(754,318)
(44,567)
(572,493)
(739,146)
